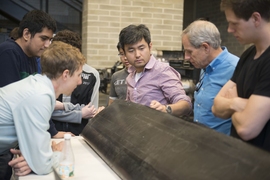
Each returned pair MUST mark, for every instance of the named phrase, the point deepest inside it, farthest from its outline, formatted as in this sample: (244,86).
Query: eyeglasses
(199,84)
(121,55)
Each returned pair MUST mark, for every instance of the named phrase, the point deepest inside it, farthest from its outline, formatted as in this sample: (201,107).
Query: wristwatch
(168,109)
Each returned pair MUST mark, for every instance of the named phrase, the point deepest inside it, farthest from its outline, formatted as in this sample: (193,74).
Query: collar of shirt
(211,67)
(149,65)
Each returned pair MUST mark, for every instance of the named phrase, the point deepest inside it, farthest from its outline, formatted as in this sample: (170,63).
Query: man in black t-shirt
(246,97)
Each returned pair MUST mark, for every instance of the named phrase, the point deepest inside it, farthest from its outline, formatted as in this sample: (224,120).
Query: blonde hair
(60,57)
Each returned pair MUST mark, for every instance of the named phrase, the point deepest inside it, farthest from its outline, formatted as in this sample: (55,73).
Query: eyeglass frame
(121,55)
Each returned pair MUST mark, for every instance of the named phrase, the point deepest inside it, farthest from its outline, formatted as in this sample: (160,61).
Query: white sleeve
(95,94)
(31,118)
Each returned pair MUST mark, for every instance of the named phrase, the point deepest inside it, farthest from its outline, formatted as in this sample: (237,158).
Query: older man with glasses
(201,41)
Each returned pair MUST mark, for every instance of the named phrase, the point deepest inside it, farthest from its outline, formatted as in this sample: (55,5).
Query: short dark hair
(35,21)
(119,46)
(69,37)
(133,34)
(14,33)
(244,8)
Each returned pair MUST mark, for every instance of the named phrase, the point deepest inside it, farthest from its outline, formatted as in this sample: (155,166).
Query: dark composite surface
(141,143)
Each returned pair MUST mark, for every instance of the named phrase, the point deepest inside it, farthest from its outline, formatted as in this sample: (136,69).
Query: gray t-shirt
(118,89)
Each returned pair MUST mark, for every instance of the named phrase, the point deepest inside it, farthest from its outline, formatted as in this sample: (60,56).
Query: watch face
(169,109)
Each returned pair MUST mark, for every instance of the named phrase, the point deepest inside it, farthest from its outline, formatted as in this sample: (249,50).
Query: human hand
(59,105)
(57,146)
(99,110)
(88,111)
(19,164)
(231,93)
(60,134)
(238,104)
(157,106)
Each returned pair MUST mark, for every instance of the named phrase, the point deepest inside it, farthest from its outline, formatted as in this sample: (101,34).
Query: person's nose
(47,43)
(137,53)
(187,57)
(230,29)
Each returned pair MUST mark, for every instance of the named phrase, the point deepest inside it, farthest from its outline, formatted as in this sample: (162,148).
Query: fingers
(20,166)
(24,170)
(88,112)
(89,107)
(57,146)
(15,161)
(70,133)
(154,104)
(60,134)
(53,145)
(15,151)
(99,110)
(160,107)
(18,162)
(157,106)
(60,146)
(93,109)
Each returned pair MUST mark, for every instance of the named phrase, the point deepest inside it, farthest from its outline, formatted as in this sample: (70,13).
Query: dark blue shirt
(14,63)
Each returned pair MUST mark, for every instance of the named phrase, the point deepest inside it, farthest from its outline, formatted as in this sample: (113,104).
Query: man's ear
(150,46)
(256,17)
(206,46)
(65,74)
(26,34)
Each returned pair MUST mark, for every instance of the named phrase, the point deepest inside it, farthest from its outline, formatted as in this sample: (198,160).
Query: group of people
(22,117)
(147,81)
(231,96)
(232,93)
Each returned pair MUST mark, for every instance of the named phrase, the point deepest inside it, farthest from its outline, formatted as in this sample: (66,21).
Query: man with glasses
(201,41)
(150,82)
(18,57)
(118,87)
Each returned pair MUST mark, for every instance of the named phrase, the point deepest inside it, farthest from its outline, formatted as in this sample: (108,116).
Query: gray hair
(201,31)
